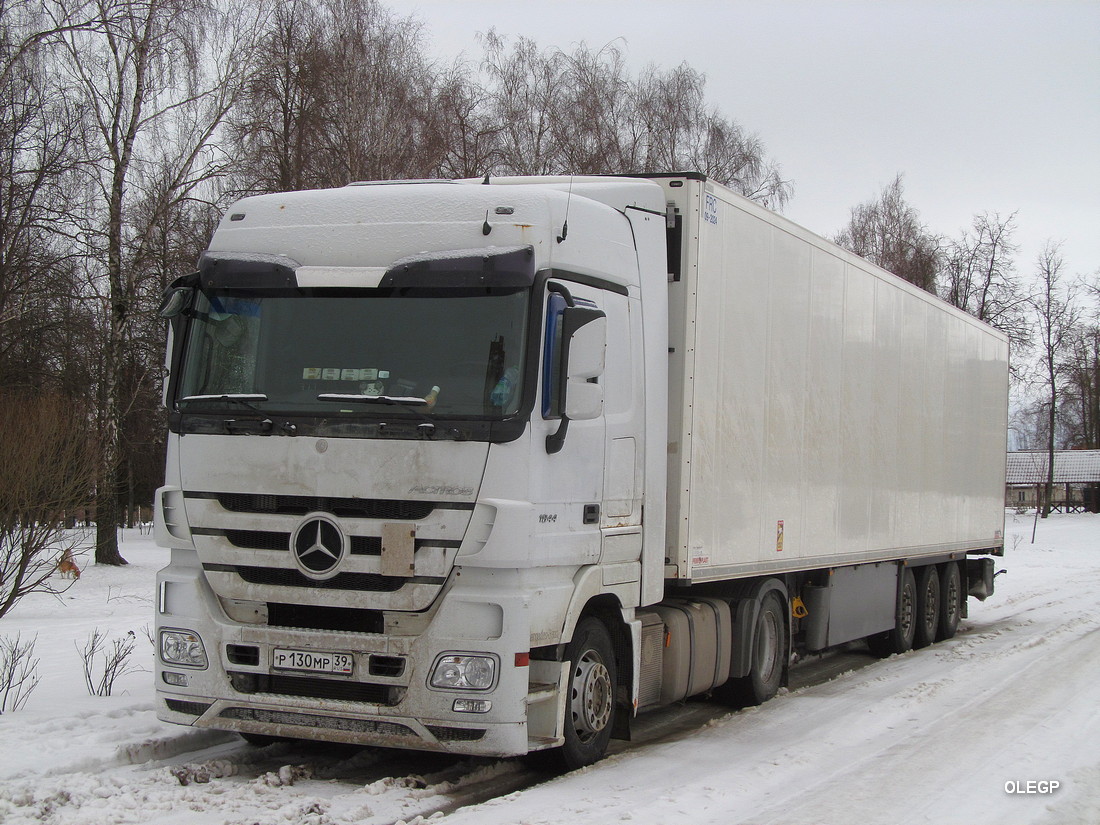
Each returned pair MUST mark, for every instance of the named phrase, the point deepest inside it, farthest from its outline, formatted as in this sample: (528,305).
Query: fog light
(182,647)
(177,679)
(463,672)
(472,706)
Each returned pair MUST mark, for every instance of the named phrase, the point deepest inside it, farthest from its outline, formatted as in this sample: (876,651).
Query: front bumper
(386,701)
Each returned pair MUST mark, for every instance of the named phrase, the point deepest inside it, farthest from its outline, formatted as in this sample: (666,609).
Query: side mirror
(585,353)
(580,360)
(175,300)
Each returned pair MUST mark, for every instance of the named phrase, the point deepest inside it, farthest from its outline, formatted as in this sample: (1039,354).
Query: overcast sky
(983,106)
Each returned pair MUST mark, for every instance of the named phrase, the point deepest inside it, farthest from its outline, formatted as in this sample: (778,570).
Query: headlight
(182,647)
(456,671)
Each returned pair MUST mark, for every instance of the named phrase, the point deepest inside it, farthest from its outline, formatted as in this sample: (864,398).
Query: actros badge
(318,546)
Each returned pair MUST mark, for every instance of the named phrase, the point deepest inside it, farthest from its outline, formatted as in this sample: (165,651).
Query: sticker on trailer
(710,210)
(779,536)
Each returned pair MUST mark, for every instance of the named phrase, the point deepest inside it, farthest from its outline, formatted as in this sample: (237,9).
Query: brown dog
(67,566)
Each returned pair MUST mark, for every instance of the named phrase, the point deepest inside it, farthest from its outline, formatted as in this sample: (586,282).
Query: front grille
(309,720)
(258,539)
(243,655)
(190,708)
(345,507)
(455,734)
(366,545)
(314,688)
(279,577)
(392,666)
(314,617)
(264,540)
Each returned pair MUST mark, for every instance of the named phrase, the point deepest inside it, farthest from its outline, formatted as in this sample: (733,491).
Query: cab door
(568,424)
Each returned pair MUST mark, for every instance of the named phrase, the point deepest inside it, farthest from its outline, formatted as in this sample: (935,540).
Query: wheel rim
(591,701)
(952,597)
(931,604)
(908,605)
(767,646)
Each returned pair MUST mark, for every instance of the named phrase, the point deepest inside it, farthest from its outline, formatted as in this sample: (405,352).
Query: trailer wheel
(590,703)
(769,657)
(928,606)
(951,596)
(900,638)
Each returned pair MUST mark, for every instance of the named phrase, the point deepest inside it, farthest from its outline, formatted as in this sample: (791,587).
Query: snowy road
(933,736)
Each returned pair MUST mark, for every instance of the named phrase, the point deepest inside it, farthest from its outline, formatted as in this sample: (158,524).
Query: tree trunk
(1050,446)
(108,493)
(107,512)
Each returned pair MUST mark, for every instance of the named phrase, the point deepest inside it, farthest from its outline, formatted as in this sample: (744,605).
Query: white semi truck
(490,467)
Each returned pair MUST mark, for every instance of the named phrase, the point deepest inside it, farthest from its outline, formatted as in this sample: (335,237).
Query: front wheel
(590,703)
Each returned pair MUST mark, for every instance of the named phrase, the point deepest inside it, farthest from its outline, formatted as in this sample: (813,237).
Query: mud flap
(979,576)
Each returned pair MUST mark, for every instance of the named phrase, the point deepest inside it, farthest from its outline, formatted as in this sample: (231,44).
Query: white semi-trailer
(492,466)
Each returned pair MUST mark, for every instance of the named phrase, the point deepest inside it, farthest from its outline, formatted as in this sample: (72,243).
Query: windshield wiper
(248,400)
(408,402)
(400,400)
(245,399)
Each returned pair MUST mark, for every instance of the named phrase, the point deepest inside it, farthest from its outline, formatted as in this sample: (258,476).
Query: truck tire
(899,639)
(590,702)
(951,596)
(769,657)
(928,606)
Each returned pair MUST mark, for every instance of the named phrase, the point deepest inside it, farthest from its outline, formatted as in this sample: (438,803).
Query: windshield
(432,351)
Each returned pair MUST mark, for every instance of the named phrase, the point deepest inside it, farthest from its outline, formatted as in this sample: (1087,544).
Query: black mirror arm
(556,440)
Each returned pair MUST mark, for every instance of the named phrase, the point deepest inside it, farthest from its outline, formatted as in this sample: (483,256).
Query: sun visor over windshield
(505,266)
(246,271)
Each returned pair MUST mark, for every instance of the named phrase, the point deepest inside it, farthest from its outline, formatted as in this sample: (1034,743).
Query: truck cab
(408,459)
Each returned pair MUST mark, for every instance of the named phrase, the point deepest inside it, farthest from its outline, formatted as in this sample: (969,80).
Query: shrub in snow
(108,662)
(18,672)
(46,470)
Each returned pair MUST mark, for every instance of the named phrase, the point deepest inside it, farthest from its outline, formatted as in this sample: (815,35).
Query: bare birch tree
(979,276)
(888,231)
(341,90)
(155,79)
(38,157)
(1056,314)
(583,113)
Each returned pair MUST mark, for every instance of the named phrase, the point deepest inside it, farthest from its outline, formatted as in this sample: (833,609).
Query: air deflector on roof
(505,266)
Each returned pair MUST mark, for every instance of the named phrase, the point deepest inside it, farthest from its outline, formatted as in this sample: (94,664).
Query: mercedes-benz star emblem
(318,546)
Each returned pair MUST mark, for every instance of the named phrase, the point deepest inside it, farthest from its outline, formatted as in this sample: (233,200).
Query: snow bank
(952,733)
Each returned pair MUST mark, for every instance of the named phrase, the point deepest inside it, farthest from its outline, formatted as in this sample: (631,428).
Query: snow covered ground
(950,734)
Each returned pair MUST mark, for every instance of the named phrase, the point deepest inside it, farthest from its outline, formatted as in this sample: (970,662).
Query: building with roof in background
(1076,480)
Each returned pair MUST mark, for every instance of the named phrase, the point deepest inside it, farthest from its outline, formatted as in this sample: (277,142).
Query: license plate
(313,661)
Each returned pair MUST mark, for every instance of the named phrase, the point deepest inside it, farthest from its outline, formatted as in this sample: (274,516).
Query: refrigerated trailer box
(492,466)
(822,410)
